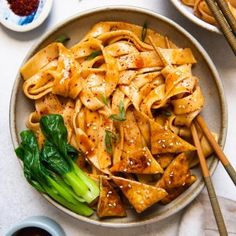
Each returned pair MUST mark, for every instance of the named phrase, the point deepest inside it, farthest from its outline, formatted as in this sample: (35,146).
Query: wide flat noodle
(39,60)
(151,59)
(176,178)
(138,162)
(141,196)
(109,203)
(165,141)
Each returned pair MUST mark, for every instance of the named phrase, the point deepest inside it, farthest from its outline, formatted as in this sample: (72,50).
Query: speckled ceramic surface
(188,12)
(24,23)
(214,112)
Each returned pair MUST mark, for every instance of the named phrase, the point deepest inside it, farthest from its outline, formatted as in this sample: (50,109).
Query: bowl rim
(180,7)
(39,221)
(32,25)
(224,122)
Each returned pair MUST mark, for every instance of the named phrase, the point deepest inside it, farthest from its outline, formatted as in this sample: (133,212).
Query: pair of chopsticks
(205,171)
(225,19)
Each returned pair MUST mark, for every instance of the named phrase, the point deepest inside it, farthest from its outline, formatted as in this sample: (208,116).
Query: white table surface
(17,199)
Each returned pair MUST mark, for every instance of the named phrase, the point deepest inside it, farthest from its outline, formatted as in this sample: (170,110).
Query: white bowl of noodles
(189,13)
(214,111)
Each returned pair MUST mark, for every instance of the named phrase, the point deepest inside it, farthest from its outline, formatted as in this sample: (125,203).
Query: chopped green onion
(166,113)
(94,54)
(121,115)
(110,138)
(104,99)
(62,39)
(144,31)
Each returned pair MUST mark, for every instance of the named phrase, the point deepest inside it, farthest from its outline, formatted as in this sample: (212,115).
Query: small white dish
(188,12)
(24,23)
(41,222)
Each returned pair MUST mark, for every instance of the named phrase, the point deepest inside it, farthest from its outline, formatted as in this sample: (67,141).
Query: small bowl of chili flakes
(24,15)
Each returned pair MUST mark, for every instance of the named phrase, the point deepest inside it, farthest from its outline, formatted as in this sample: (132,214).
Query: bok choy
(56,155)
(53,171)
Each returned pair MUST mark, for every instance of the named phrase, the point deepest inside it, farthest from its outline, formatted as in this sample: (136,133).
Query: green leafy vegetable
(110,138)
(166,113)
(53,171)
(62,39)
(104,99)
(162,112)
(43,179)
(144,31)
(55,155)
(121,115)
(94,54)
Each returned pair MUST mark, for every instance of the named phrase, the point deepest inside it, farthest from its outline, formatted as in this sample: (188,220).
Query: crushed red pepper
(23,7)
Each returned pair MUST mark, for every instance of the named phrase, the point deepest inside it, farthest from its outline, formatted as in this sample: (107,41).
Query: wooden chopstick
(224,25)
(227,165)
(210,188)
(227,14)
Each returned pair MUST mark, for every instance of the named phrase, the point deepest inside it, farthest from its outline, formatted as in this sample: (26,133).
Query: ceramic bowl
(188,12)
(42,222)
(214,112)
(24,23)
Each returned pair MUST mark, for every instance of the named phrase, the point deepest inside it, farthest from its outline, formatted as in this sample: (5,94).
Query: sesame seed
(171,174)
(181,106)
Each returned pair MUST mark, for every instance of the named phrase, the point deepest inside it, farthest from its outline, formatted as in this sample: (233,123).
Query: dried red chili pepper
(23,7)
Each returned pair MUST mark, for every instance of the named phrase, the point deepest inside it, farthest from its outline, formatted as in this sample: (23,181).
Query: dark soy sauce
(32,231)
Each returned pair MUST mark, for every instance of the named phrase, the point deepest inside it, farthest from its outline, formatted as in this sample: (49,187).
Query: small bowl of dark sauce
(32,231)
(37,226)
(24,15)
